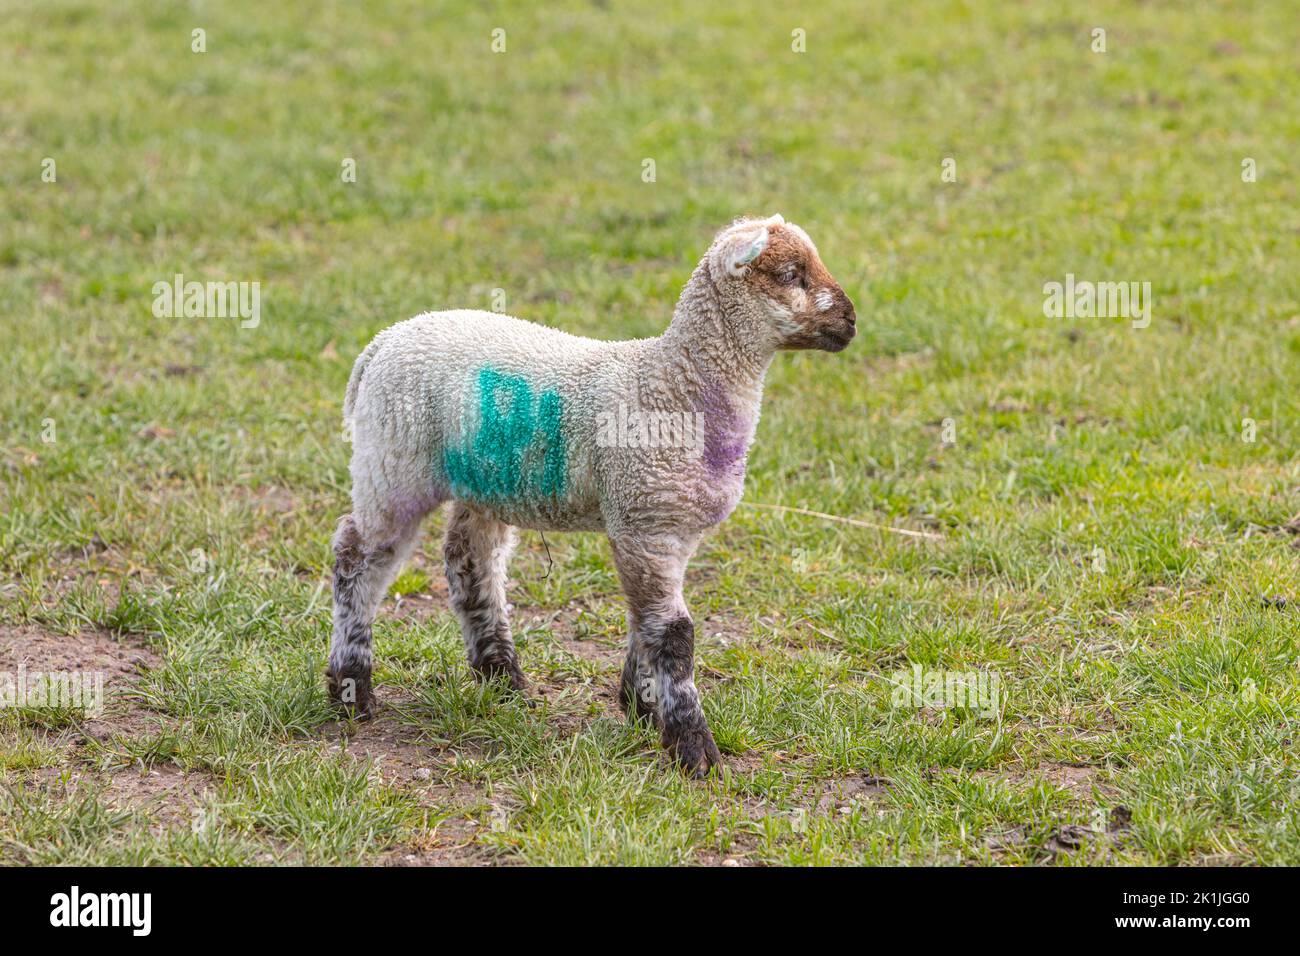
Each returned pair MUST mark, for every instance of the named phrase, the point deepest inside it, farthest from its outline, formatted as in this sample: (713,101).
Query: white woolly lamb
(525,426)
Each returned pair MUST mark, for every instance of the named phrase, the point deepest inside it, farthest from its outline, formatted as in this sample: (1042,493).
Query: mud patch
(87,653)
(420,605)
(574,656)
(88,572)
(1107,826)
(840,796)
(398,753)
(1082,781)
(1112,829)
(167,794)
(400,757)
(93,655)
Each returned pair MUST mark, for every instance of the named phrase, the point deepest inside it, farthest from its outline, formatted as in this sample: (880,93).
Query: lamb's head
(769,271)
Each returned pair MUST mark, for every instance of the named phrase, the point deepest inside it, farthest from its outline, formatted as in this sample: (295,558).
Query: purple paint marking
(726,433)
(406,506)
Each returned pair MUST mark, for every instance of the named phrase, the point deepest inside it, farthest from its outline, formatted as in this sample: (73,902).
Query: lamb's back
(420,398)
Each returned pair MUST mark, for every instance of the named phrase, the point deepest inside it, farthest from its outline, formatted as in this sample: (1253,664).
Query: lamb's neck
(710,363)
(708,357)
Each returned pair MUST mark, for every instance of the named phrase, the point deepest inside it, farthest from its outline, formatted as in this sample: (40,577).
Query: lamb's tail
(354,380)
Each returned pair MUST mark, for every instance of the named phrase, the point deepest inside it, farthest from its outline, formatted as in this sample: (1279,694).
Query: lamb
(511,422)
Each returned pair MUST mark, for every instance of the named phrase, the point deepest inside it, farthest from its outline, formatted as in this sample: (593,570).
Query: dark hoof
(693,749)
(510,673)
(352,695)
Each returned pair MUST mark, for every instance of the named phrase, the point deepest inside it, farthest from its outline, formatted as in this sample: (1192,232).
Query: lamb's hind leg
(369,550)
(477,550)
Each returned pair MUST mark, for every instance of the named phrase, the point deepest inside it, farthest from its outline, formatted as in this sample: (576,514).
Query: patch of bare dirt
(168,795)
(88,652)
(398,752)
(733,857)
(1084,783)
(723,628)
(1112,828)
(606,654)
(401,757)
(453,842)
(429,600)
(92,566)
(840,794)
(1081,780)
(419,606)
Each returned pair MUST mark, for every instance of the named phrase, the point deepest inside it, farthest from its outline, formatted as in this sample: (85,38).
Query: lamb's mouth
(836,341)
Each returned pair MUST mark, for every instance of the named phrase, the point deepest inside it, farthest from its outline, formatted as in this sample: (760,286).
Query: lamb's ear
(743,249)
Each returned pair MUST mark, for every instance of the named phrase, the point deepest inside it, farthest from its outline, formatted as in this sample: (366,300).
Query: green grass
(1112,548)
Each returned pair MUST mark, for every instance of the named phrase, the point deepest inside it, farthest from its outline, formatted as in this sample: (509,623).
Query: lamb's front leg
(659,675)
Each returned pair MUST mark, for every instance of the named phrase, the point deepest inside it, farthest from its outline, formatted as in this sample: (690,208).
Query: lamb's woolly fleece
(415,404)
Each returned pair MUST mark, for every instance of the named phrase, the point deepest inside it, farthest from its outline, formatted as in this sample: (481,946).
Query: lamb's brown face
(808,306)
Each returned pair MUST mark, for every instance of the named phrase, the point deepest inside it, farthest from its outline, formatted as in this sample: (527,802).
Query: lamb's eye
(788,276)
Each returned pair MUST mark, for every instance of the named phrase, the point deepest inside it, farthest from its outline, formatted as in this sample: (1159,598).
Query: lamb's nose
(852,314)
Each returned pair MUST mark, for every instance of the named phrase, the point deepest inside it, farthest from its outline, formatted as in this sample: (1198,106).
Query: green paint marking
(518,451)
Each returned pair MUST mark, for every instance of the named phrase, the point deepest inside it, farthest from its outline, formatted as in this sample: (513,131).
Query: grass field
(1109,503)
